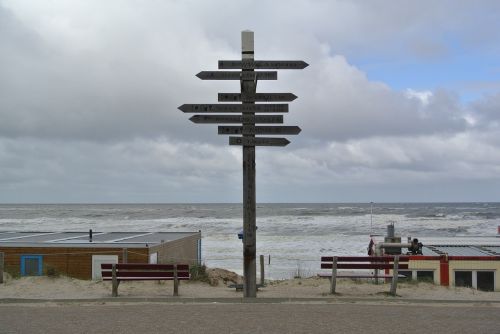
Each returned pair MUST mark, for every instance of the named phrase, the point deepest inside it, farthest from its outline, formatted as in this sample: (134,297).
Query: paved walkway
(293,317)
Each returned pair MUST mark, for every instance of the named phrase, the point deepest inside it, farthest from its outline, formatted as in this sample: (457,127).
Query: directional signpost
(257,97)
(232,75)
(259,130)
(247,119)
(263,64)
(211,119)
(234,108)
(260,141)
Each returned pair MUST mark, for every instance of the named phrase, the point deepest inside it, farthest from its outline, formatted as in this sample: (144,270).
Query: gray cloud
(72,74)
(89,95)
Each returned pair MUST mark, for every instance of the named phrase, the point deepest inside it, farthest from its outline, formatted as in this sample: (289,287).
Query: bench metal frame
(365,262)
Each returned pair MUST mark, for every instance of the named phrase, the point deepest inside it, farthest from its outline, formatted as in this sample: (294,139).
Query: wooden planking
(234,108)
(73,262)
(362,266)
(237,75)
(258,130)
(120,277)
(217,119)
(402,258)
(257,97)
(144,266)
(258,141)
(138,274)
(263,64)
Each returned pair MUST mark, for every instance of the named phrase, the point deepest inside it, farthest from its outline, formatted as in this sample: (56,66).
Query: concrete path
(248,318)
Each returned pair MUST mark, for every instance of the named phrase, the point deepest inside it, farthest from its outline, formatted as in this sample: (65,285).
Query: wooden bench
(365,262)
(144,272)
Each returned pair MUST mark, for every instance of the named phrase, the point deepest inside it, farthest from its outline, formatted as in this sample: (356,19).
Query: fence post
(125,256)
(333,283)
(176,282)
(395,275)
(261,270)
(114,281)
(1,267)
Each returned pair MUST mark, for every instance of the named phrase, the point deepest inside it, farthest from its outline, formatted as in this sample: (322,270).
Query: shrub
(199,273)
(13,273)
(52,272)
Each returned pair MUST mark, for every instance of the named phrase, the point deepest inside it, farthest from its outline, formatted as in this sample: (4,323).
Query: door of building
(97,260)
(31,265)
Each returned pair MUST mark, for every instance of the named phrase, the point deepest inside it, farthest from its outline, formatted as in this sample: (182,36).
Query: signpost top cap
(247,41)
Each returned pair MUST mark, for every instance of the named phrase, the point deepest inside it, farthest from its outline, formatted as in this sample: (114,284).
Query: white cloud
(423,96)
(89,94)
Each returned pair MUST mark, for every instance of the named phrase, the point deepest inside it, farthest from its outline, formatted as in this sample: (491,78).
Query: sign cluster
(217,113)
(246,130)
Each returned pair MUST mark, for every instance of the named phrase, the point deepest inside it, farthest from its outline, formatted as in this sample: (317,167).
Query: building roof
(461,250)
(81,239)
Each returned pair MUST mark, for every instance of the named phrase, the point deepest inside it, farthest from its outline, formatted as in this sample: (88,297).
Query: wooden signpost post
(247,119)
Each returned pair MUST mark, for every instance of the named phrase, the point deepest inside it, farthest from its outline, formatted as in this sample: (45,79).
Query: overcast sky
(401,101)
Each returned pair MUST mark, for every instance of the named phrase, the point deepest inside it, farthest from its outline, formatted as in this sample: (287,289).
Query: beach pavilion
(466,265)
(80,254)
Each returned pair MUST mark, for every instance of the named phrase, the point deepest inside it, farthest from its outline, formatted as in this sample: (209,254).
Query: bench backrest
(144,271)
(364,262)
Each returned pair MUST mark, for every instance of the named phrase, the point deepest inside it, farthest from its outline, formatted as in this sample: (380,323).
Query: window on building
(486,280)
(406,273)
(425,275)
(463,278)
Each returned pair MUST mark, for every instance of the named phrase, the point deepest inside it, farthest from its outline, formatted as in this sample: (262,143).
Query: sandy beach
(287,306)
(313,287)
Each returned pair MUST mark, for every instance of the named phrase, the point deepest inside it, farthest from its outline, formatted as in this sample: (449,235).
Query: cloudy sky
(401,101)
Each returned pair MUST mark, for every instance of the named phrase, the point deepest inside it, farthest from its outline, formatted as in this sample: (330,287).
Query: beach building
(80,254)
(476,266)
(462,262)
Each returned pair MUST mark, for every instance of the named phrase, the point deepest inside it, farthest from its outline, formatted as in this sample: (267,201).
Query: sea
(291,237)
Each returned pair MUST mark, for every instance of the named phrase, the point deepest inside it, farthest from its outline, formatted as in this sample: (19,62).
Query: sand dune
(313,287)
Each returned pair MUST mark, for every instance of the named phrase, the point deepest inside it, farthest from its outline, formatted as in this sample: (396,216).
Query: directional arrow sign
(237,75)
(211,119)
(234,108)
(263,64)
(259,130)
(259,141)
(258,97)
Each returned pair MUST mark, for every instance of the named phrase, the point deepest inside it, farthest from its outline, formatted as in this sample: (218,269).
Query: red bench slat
(119,278)
(141,278)
(358,276)
(403,258)
(144,266)
(363,266)
(166,274)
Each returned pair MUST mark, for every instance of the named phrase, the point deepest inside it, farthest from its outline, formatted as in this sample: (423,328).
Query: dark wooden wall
(69,261)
